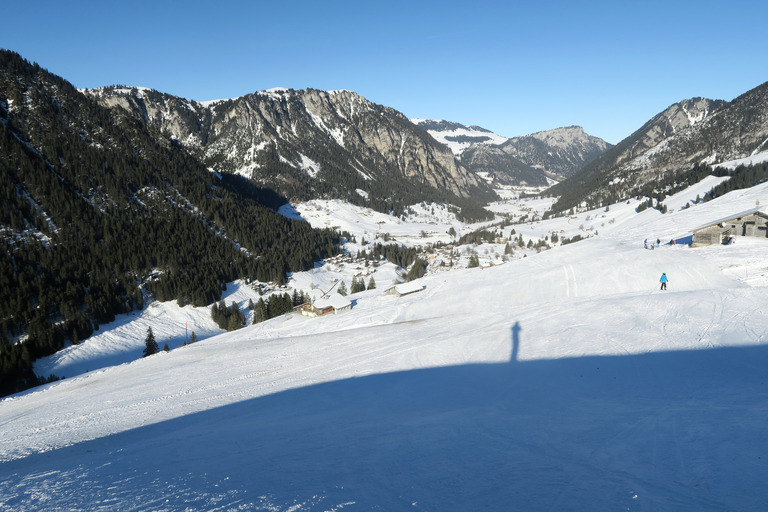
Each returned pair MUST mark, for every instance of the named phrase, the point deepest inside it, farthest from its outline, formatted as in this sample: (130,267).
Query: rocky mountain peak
(307,143)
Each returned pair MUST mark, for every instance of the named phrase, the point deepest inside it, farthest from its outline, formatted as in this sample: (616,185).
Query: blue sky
(514,68)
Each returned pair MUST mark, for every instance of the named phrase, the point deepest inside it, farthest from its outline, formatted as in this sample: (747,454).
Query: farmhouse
(750,223)
(325,305)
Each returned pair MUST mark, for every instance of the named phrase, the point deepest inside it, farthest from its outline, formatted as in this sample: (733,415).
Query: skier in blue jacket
(664,280)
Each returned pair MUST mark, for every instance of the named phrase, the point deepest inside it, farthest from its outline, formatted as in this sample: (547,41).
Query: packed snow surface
(564,380)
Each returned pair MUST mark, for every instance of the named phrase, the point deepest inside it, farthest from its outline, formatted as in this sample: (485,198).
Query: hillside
(457,136)
(309,144)
(98,215)
(563,380)
(536,159)
(695,132)
(532,160)
(560,152)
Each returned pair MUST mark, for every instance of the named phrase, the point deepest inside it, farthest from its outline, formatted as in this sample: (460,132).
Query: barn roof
(333,300)
(406,288)
(731,217)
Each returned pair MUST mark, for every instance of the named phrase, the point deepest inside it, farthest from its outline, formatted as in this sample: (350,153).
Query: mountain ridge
(693,132)
(535,159)
(309,143)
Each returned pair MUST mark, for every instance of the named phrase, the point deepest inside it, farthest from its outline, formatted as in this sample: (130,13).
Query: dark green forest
(741,177)
(97,213)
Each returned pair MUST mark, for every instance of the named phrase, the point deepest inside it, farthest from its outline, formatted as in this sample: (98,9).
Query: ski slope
(563,380)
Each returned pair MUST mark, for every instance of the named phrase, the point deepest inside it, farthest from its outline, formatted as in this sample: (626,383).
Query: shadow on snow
(660,431)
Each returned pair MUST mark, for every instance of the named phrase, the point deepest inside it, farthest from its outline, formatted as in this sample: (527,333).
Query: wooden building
(750,223)
(325,305)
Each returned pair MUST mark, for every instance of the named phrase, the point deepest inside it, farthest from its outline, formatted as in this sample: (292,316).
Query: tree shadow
(658,431)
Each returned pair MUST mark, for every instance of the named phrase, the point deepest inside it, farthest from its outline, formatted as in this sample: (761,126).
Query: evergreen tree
(474,261)
(166,348)
(260,313)
(342,289)
(418,269)
(150,345)
(192,337)
(358,285)
(371,284)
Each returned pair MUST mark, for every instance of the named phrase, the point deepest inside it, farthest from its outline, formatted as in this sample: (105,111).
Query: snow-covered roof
(410,287)
(334,300)
(734,216)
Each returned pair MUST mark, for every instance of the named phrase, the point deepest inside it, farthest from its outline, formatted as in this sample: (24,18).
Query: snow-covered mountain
(562,380)
(308,144)
(536,159)
(532,160)
(693,132)
(561,151)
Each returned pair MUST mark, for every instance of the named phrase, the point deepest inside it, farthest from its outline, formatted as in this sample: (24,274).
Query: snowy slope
(560,381)
(457,136)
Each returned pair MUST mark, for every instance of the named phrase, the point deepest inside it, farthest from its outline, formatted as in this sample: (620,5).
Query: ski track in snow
(559,380)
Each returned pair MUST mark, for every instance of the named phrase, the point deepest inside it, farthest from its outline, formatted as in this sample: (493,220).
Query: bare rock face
(310,140)
(561,151)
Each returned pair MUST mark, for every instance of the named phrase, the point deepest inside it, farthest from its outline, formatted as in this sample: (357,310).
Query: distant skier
(645,244)
(664,280)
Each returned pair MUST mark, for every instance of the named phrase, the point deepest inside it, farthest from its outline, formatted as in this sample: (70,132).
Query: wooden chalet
(325,305)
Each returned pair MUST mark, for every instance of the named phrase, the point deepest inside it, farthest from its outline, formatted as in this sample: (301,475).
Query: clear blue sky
(512,67)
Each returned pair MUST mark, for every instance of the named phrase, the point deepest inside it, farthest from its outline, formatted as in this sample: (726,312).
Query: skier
(664,280)
(645,244)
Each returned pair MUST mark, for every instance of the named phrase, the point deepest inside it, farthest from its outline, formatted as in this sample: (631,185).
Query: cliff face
(561,151)
(312,140)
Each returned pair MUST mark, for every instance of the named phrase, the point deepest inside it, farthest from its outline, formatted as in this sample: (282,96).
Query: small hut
(404,289)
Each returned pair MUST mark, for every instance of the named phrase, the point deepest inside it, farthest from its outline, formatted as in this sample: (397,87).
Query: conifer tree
(150,345)
(192,337)
(343,289)
(418,270)
(357,285)
(371,284)
(260,313)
